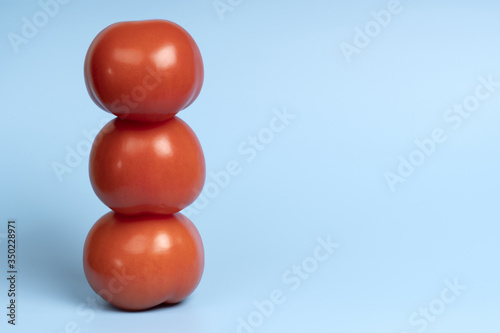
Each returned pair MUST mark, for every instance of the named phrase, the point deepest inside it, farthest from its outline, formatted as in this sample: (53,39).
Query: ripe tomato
(143,70)
(137,262)
(140,168)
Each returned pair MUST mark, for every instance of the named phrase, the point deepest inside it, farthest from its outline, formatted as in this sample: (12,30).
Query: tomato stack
(146,165)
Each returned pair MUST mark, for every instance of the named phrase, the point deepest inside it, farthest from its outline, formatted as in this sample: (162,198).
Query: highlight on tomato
(138,262)
(146,168)
(143,70)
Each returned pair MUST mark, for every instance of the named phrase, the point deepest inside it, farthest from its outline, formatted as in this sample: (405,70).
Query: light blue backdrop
(388,150)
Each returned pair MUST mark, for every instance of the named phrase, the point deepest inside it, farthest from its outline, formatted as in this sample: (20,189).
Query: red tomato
(137,262)
(143,70)
(140,168)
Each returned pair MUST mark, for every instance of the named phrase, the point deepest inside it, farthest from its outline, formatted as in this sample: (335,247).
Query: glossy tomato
(137,262)
(139,168)
(143,70)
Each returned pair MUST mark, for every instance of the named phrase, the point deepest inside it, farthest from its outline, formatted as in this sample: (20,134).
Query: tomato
(137,262)
(140,168)
(143,70)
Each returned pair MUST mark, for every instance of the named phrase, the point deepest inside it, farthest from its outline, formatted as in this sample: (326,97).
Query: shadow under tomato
(158,307)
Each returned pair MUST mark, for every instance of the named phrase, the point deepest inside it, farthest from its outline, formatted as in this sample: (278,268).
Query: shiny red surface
(138,167)
(143,70)
(137,262)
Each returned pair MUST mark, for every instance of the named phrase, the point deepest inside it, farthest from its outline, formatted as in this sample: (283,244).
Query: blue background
(323,175)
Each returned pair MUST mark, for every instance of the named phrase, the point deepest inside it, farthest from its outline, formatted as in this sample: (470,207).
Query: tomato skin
(137,262)
(146,168)
(143,70)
